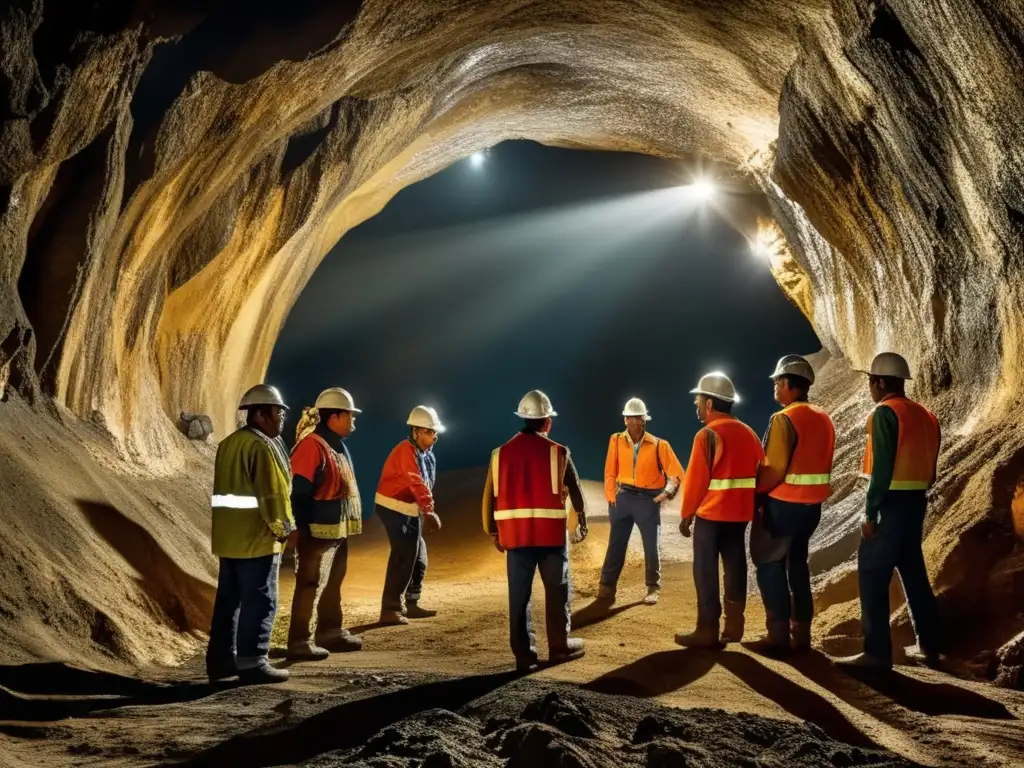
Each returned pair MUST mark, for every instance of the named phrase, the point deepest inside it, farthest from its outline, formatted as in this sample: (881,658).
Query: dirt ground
(450,678)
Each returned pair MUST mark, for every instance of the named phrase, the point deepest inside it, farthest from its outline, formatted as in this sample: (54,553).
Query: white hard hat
(889,364)
(336,399)
(261,394)
(636,407)
(426,417)
(794,365)
(535,405)
(717,385)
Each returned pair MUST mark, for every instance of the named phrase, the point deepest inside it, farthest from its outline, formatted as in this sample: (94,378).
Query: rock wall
(172,172)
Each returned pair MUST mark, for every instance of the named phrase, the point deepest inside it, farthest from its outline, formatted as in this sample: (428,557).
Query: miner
(405,504)
(328,511)
(251,520)
(900,464)
(718,490)
(640,472)
(528,480)
(792,484)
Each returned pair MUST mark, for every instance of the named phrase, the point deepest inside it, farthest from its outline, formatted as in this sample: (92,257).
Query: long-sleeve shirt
(572,485)
(698,471)
(779,443)
(407,480)
(637,464)
(885,433)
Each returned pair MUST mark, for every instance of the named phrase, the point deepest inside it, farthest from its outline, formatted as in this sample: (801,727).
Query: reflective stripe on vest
(406,508)
(231,501)
(808,479)
(732,483)
(527,514)
(328,530)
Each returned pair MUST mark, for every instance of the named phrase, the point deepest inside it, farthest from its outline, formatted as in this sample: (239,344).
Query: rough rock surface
(172,172)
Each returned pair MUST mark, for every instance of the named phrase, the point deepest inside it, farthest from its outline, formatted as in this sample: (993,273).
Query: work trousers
(779,541)
(243,612)
(320,566)
(553,563)
(714,540)
(633,509)
(896,545)
(407,563)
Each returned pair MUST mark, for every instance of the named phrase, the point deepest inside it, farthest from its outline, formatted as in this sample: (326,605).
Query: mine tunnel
(199,197)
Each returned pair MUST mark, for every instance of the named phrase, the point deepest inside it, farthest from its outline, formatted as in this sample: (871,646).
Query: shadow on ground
(54,691)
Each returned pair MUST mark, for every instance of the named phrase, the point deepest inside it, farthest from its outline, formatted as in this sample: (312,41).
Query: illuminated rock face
(162,204)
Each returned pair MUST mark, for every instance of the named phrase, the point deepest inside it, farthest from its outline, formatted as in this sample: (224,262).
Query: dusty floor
(53,715)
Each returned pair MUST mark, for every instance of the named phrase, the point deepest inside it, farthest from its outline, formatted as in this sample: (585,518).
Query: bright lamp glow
(700,191)
(476,159)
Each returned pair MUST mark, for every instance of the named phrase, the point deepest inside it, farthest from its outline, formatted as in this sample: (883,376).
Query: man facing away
(640,472)
(325,498)
(719,491)
(901,464)
(793,482)
(405,505)
(251,520)
(528,480)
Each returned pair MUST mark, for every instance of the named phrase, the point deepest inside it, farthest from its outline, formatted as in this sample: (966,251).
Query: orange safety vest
(809,472)
(730,494)
(528,475)
(917,446)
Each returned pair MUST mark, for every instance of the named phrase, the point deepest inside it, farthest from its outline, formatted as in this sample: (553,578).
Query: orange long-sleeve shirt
(625,465)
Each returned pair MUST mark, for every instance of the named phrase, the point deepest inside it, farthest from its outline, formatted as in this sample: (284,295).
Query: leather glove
(579,534)
(684,526)
(431,523)
(498,546)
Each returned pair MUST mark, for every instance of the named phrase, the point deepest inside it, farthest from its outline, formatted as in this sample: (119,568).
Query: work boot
(573,650)
(392,618)
(915,654)
(704,636)
(527,664)
(606,593)
(653,595)
(864,661)
(221,670)
(800,633)
(734,622)
(776,642)
(263,674)
(339,641)
(305,650)
(413,610)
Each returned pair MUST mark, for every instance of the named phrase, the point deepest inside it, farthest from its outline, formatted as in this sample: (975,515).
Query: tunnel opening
(592,276)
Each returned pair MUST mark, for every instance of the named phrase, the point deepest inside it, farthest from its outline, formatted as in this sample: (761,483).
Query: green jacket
(252,513)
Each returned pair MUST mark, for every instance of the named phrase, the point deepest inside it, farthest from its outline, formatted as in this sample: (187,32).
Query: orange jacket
(656,465)
(799,447)
(402,488)
(722,474)
(917,447)
(528,476)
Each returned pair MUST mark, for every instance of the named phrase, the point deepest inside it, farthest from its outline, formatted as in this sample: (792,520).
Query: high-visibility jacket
(721,477)
(655,465)
(529,492)
(808,476)
(917,447)
(325,496)
(405,485)
(251,509)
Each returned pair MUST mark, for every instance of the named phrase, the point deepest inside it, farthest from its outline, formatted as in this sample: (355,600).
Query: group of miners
(263,497)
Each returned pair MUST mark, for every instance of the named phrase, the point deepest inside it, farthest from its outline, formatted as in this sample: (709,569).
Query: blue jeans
(779,543)
(553,563)
(243,613)
(714,539)
(897,546)
(633,508)
(407,563)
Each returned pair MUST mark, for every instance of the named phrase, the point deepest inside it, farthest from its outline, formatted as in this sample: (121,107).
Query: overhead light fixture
(477,159)
(700,191)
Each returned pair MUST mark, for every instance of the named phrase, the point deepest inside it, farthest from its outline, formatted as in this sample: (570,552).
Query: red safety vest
(730,494)
(917,447)
(529,509)
(810,467)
